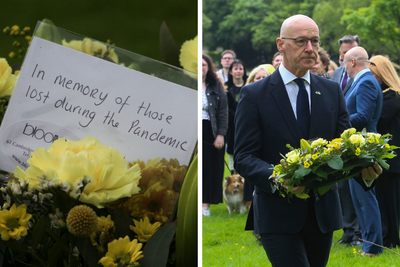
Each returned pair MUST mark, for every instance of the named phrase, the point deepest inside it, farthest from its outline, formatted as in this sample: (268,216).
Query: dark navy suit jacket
(265,123)
(364,102)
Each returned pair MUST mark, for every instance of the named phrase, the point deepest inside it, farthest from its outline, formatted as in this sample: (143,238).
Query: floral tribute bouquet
(7,84)
(62,211)
(318,164)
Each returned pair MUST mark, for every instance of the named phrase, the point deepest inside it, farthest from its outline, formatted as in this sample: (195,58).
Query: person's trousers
(307,248)
(351,227)
(369,217)
(387,190)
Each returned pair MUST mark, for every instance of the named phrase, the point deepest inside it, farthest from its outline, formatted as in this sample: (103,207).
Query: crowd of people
(239,111)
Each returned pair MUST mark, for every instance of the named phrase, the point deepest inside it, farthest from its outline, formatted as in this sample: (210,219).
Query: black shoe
(355,243)
(343,241)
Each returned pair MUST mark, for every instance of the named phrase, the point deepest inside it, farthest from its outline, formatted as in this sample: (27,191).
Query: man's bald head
(295,21)
(356,60)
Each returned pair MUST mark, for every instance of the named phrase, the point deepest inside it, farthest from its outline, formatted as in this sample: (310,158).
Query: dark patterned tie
(302,109)
(344,82)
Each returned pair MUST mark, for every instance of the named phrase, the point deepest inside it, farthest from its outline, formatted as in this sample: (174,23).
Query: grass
(225,243)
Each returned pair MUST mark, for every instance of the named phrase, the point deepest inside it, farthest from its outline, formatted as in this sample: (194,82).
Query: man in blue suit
(351,227)
(296,233)
(364,103)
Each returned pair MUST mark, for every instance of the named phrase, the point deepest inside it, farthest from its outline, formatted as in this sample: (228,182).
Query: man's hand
(295,190)
(372,172)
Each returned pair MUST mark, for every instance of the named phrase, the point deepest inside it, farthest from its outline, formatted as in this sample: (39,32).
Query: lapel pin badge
(318,92)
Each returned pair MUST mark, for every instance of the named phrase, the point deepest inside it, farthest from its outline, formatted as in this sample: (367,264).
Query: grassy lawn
(225,243)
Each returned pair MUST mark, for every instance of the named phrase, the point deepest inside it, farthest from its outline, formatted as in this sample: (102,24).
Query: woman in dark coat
(215,124)
(388,185)
(237,77)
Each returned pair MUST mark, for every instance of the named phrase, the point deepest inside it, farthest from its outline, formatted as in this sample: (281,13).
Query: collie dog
(233,194)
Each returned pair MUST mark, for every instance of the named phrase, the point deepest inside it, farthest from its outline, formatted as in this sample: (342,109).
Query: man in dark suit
(346,43)
(351,226)
(296,233)
(364,103)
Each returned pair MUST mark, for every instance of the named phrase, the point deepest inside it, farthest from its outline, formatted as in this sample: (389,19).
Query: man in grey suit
(351,226)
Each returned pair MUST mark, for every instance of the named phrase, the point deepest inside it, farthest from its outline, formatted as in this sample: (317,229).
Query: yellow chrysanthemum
(307,164)
(7,79)
(144,229)
(315,156)
(156,203)
(104,233)
(358,151)
(336,143)
(92,48)
(13,222)
(188,56)
(122,252)
(70,161)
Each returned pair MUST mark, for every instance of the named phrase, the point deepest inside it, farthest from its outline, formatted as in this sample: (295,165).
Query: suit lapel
(316,105)
(279,93)
(354,84)
(348,85)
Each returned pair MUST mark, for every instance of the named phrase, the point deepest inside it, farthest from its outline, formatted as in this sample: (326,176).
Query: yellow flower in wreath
(144,229)
(7,79)
(122,252)
(188,56)
(93,48)
(70,161)
(13,222)
(357,139)
(156,203)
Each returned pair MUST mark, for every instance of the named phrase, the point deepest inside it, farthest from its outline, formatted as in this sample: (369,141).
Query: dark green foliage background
(131,25)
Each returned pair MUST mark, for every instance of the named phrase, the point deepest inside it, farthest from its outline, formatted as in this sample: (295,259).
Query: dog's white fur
(233,194)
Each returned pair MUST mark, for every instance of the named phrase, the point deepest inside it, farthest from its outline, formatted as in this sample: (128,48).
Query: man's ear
(279,45)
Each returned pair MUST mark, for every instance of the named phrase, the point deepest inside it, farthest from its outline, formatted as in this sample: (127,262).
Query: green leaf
(383,163)
(320,172)
(364,132)
(323,190)
(305,146)
(88,252)
(39,231)
(301,172)
(335,162)
(186,232)
(16,247)
(168,47)
(122,222)
(56,252)
(157,248)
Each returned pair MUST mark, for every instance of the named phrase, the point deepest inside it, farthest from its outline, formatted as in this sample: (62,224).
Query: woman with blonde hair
(388,185)
(257,74)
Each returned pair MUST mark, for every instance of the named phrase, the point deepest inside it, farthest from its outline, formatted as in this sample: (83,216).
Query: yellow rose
(318,142)
(357,139)
(293,156)
(188,56)
(348,132)
(70,161)
(92,48)
(7,79)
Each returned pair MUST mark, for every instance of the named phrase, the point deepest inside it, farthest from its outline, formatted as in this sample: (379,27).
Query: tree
(377,24)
